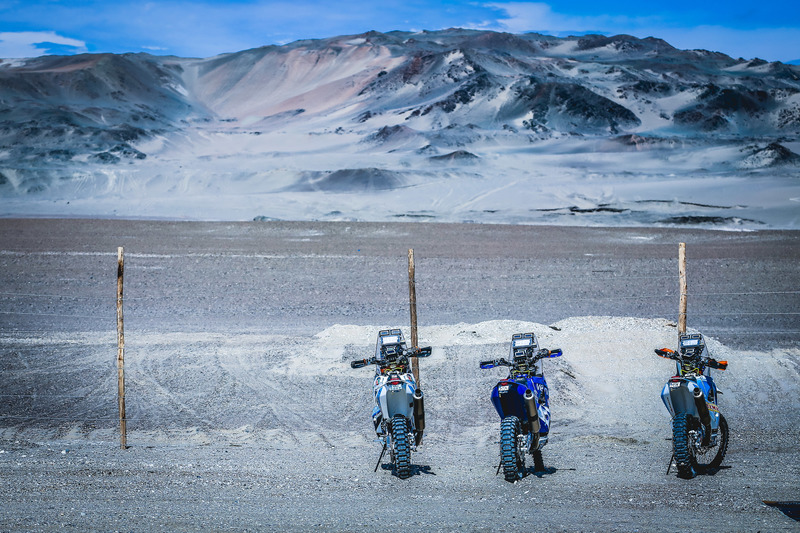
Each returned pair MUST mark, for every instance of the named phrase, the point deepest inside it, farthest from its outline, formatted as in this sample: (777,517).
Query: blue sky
(769,29)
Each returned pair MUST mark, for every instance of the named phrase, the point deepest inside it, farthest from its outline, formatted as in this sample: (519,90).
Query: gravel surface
(243,413)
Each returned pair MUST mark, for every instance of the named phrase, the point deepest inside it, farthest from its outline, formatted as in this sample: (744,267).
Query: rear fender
(396,402)
(680,399)
(508,400)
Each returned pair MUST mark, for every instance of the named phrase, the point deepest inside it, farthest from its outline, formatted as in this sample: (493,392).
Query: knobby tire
(402,447)
(512,460)
(722,448)
(684,459)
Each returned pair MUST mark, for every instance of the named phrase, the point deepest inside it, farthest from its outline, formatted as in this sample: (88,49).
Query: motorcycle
(522,401)
(699,430)
(399,412)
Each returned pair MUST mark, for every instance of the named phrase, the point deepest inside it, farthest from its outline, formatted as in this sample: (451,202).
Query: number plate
(674,384)
(395,387)
(502,388)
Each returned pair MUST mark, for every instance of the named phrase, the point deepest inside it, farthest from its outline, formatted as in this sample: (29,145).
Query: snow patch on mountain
(773,155)
(463,125)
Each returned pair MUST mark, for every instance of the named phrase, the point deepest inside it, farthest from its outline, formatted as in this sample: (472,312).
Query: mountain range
(262,132)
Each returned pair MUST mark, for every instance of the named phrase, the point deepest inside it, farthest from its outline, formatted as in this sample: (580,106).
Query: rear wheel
(691,456)
(512,451)
(681,449)
(401,447)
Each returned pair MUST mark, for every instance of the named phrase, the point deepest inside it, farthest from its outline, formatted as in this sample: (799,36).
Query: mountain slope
(280,118)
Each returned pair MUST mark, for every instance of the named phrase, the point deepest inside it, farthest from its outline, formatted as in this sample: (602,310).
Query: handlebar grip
(555,352)
(487,364)
(422,352)
(719,365)
(665,352)
(358,364)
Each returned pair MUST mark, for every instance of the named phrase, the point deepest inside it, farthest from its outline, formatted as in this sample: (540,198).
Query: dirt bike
(399,413)
(522,401)
(699,431)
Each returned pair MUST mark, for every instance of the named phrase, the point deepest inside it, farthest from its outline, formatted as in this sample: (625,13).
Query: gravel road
(244,415)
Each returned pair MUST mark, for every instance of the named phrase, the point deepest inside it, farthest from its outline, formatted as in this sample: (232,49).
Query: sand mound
(206,387)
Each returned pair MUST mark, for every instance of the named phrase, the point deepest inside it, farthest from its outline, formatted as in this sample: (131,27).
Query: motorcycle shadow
(710,471)
(550,470)
(713,471)
(416,470)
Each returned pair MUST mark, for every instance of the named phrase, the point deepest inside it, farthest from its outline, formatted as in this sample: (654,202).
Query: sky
(767,29)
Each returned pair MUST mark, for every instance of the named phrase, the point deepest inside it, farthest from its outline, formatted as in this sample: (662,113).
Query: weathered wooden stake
(123,431)
(683,289)
(412,299)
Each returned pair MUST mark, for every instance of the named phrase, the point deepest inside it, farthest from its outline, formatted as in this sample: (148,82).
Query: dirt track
(245,416)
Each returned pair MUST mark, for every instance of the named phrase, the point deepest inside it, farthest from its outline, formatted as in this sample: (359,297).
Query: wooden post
(123,431)
(683,289)
(412,300)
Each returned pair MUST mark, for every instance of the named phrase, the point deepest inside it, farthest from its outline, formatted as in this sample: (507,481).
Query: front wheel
(512,449)
(715,453)
(401,448)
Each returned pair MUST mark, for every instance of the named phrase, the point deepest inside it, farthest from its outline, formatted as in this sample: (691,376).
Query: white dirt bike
(399,413)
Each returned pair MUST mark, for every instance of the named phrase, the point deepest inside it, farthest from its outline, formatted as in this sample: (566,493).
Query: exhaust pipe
(705,416)
(533,418)
(419,415)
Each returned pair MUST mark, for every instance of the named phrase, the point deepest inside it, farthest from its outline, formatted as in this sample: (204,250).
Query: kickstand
(670,463)
(383,451)
(498,467)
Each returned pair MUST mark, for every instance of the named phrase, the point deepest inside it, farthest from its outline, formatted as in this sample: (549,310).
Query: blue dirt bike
(399,413)
(521,400)
(699,431)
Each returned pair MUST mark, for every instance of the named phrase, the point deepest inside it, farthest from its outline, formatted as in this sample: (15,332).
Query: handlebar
(419,352)
(676,356)
(494,362)
(719,365)
(541,354)
(412,352)
(666,353)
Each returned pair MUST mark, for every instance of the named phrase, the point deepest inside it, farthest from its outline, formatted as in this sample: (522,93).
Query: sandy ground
(243,413)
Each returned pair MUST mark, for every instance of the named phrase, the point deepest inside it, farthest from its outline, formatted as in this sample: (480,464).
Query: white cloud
(772,44)
(35,43)
(536,16)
